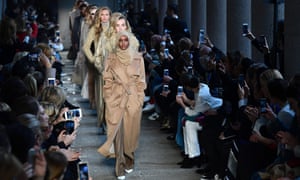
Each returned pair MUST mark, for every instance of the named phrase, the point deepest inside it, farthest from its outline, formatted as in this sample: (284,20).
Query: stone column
(216,23)
(184,11)
(238,12)
(161,14)
(292,38)
(155,3)
(172,1)
(198,18)
(261,24)
(2,8)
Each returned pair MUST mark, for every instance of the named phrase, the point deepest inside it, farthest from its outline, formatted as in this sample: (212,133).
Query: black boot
(188,163)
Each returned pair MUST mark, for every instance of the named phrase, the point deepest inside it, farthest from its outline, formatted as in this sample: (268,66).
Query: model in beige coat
(123,92)
(98,37)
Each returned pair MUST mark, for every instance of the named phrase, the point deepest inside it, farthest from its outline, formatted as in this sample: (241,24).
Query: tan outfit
(123,92)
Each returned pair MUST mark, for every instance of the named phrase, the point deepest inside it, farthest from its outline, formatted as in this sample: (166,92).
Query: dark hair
(293,90)
(278,88)
(39,77)
(173,7)
(22,139)
(4,140)
(245,64)
(234,58)
(13,88)
(189,80)
(25,104)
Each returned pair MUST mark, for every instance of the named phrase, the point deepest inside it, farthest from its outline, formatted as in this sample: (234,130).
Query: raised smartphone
(83,170)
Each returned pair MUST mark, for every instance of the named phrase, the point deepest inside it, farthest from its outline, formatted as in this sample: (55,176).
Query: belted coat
(123,94)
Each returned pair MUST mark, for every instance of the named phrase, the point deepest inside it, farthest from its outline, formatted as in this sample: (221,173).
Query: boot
(188,163)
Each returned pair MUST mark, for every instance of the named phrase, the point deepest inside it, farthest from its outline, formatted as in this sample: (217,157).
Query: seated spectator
(194,118)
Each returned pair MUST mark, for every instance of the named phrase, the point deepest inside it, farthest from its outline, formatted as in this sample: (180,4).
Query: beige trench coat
(123,93)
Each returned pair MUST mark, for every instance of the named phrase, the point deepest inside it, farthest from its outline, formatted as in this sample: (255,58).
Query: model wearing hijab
(106,45)
(123,92)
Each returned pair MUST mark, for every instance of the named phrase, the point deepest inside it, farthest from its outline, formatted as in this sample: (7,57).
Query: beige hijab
(124,56)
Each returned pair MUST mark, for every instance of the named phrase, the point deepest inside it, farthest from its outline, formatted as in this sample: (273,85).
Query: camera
(83,170)
(69,115)
(263,105)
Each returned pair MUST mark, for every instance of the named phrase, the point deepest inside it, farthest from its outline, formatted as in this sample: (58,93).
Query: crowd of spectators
(236,117)
(36,133)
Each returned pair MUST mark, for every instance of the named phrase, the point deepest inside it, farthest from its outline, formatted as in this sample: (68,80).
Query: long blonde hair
(115,17)
(98,24)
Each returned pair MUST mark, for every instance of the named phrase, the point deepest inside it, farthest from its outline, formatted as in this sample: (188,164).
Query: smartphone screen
(241,80)
(165,88)
(83,171)
(263,105)
(31,156)
(201,35)
(51,82)
(69,115)
(245,28)
(179,90)
(69,126)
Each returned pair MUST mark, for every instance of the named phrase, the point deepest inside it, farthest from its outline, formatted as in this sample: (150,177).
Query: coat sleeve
(108,80)
(141,86)
(87,45)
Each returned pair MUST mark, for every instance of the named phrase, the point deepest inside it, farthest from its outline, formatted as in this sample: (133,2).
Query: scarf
(124,56)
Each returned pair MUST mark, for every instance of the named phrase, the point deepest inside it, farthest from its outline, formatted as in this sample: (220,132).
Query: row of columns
(222,21)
